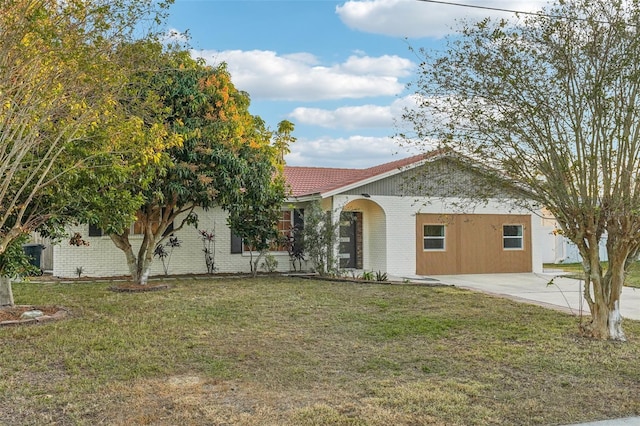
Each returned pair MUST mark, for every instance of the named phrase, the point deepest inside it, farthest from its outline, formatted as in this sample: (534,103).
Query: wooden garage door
(472,244)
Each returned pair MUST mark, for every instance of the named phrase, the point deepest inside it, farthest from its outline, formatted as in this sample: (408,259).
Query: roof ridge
(319,168)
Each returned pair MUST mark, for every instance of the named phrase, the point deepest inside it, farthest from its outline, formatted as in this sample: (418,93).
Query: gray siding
(443,178)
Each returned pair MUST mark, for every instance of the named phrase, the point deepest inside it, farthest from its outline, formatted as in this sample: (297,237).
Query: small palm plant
(164,254)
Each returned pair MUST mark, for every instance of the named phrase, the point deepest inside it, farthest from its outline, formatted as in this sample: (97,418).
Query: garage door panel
(479,234)
(474,244)
(438,261)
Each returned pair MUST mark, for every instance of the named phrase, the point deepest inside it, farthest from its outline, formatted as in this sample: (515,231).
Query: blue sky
(337,69)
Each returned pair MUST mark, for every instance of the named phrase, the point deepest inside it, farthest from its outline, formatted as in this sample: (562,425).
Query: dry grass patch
(281,351)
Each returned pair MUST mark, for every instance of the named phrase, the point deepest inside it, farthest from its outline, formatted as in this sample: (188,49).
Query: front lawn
(285,351)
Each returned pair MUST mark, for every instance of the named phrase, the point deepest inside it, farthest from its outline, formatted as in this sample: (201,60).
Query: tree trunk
(145,257)
(606,320)
(255,263)
(603,296)
(6,293)
(139,266)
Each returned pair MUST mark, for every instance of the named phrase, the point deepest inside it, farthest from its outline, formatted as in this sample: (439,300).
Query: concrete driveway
(564,294)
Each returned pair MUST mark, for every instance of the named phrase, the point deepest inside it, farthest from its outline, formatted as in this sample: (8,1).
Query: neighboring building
(560,250)
(566,251)
(387,225)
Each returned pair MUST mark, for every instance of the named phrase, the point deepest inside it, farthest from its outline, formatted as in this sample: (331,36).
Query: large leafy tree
(255,214)
(283,138)
(552,102)
(59,120)
(220,146)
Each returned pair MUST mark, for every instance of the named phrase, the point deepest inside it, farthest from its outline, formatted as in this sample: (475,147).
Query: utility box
(34,251)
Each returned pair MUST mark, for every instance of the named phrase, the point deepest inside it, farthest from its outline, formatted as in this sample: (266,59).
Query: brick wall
(103,259)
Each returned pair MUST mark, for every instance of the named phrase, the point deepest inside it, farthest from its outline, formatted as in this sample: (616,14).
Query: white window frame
(442,237)
(284,232)
(506,238)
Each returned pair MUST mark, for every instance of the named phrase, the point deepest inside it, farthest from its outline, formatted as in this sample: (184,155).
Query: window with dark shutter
(236,243)
(95,231)
(298,219)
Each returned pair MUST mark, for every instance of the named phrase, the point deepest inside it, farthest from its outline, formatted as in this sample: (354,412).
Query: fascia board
(304,198)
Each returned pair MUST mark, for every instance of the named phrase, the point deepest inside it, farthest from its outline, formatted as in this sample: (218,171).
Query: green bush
(15,262)
(270,263)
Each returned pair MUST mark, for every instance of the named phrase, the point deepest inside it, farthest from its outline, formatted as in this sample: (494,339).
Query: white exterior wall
(389,229)
(103,259)
(543,244)
(397,245)
(400,230)
(547,242)
(377,248)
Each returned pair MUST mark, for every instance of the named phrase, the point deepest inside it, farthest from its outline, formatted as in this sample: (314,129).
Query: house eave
(304,198)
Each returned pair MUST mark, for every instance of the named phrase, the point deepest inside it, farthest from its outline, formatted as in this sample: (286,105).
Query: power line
(520,12)
(473,6)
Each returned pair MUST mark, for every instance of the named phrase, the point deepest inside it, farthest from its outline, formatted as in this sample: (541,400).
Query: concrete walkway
(627,421)
(563,294)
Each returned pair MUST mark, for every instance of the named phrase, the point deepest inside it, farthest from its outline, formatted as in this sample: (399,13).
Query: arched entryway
(363,236)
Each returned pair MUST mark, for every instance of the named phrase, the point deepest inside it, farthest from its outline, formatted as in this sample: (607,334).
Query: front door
(348,240)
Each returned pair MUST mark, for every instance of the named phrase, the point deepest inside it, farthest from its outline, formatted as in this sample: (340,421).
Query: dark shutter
(236,243)
(169,230)
(95,231)
(298,219)
(298,226)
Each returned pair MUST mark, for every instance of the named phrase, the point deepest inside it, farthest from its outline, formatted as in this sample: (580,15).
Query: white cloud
(399,106)
(411,18)
(355,152)
(383,65)
(353,117)
(300,76)
(174,36)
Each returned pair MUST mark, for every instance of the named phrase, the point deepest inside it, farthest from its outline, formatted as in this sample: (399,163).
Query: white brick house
(391,228)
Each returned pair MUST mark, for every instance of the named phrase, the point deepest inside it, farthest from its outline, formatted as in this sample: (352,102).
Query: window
(434,237)
(285,225)
(138,226)
(289,225)
(512,237)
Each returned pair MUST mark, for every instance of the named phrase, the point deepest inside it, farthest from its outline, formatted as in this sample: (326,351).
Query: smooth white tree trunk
(6,293)
(615,323)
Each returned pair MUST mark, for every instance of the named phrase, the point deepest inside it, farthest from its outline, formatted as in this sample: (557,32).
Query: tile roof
(317,180)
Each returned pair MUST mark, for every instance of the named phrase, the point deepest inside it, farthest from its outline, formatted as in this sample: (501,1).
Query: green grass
(283,351)
(632,279)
